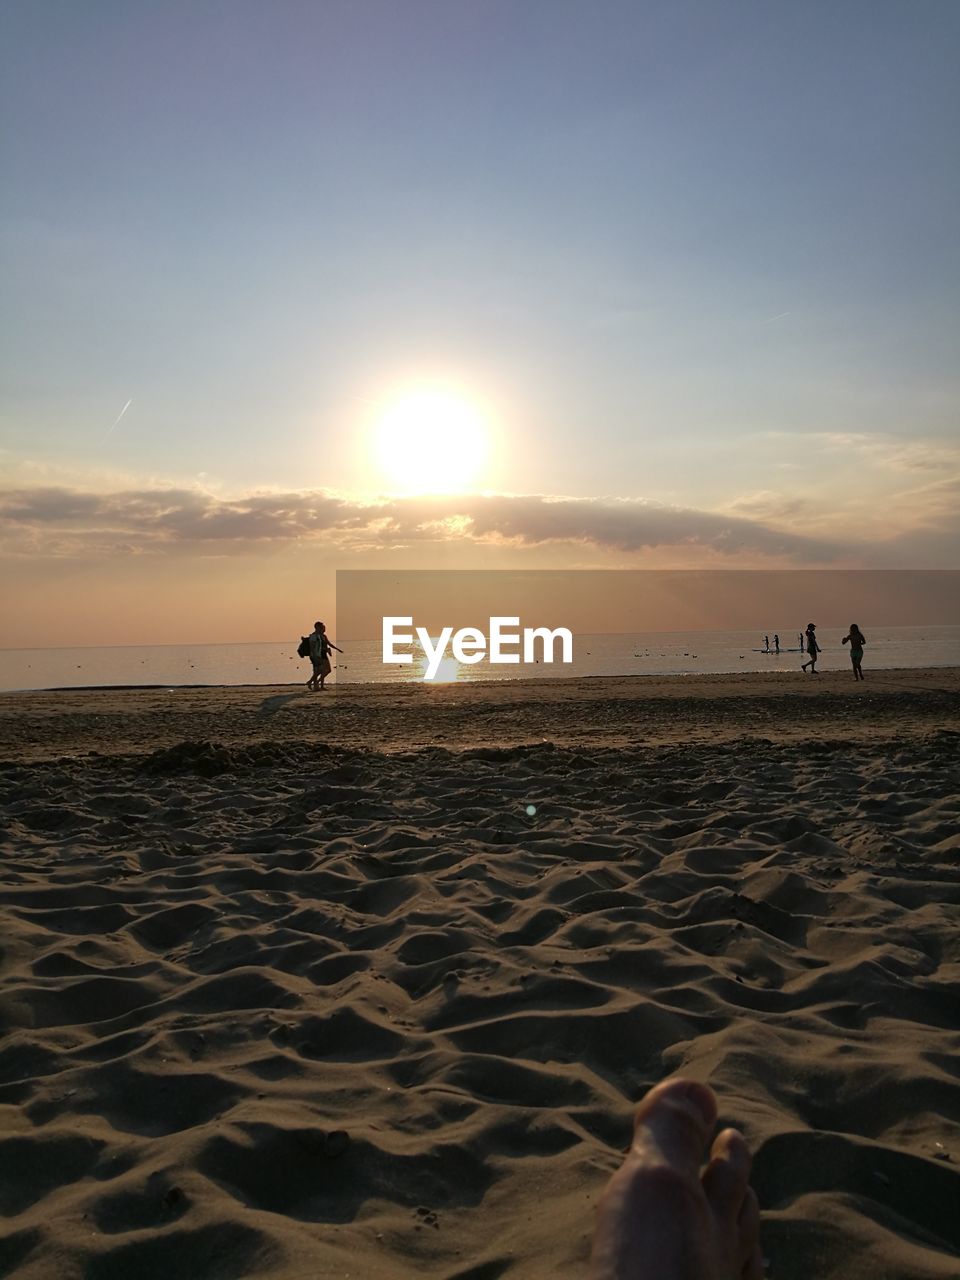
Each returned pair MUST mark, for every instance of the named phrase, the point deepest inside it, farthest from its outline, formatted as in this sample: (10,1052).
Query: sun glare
(448,670)
(431,442)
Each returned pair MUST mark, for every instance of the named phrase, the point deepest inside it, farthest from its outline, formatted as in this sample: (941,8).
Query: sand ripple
(281,1010)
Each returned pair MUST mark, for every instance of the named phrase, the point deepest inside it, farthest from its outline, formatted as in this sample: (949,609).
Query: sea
(642,653)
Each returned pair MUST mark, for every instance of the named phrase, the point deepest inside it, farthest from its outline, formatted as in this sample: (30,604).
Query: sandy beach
(366,983)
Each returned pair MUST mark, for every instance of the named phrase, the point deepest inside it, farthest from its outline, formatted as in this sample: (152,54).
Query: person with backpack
(320,645)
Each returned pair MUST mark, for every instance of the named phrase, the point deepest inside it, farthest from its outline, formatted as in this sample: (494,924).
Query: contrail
(110,430)
(772,318)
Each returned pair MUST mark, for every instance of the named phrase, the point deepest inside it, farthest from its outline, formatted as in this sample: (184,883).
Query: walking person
(856,639)
(812,649)
(320,646)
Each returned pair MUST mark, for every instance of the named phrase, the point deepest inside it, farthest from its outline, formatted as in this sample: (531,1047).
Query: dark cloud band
(174,520)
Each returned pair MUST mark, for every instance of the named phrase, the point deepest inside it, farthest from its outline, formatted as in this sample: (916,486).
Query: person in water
(856,640)
(776,644)
(320,646)
(663,1218)
(812,649)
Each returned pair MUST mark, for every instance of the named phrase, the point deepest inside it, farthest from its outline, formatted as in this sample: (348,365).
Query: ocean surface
(650,653)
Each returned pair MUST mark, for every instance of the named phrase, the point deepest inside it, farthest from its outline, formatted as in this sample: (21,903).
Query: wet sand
(365,982)
(614,711)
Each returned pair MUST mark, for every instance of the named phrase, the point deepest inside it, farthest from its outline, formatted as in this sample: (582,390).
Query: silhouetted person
(661,1217)
(776,643)
(856,639)
(766,644)
(800,643)
(320,646)
(812,649)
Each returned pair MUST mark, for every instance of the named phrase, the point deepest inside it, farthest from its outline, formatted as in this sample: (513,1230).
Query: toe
(653,1215)
(673,1124)
(725,1179)
(753,1268)
(748,1229)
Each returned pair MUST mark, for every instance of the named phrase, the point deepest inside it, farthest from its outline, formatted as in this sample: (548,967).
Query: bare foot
(660,1218)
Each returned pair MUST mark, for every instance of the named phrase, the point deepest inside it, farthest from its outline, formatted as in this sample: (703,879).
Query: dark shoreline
(476,684)
(630,711)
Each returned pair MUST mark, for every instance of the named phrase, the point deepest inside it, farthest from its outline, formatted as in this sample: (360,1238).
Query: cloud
(59,521)
(628,525)
(768,504)
(882,449)
(871,492)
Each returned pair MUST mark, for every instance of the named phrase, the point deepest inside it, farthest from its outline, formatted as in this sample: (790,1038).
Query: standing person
(800,643)
(776,644)
(856,639)
(766,644)
(320,646)
(812,649)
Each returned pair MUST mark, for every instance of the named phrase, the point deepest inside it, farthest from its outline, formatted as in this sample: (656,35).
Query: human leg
(660,1217)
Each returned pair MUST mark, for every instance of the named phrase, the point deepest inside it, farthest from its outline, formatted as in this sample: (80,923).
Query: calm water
(660,653)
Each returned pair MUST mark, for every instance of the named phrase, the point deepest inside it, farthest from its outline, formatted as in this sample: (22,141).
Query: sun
(431,441)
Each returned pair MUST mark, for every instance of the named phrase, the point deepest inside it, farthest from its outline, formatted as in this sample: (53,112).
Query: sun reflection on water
(448,669)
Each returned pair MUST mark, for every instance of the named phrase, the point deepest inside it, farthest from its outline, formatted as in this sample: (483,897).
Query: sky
(306,285)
